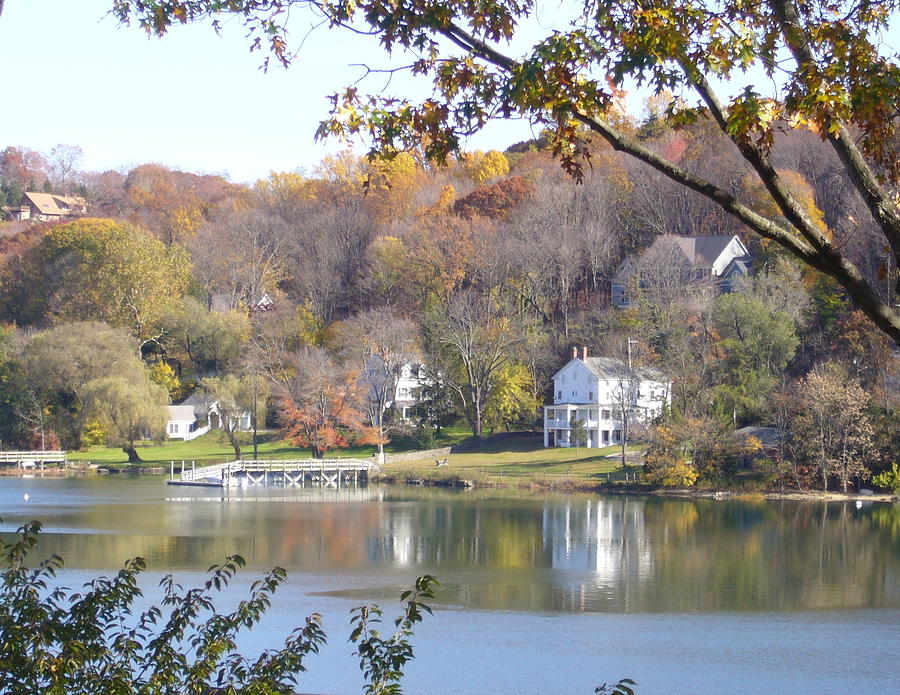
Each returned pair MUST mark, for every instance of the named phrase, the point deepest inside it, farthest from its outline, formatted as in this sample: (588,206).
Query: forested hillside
(281,293)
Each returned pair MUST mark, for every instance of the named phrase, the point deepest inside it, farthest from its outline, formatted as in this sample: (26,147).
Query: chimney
(574,352)
(584,353)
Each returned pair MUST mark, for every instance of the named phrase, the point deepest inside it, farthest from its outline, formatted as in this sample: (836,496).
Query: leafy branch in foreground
(827,67)
(60,642)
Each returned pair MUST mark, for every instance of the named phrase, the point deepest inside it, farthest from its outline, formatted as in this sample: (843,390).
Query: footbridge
(298,472)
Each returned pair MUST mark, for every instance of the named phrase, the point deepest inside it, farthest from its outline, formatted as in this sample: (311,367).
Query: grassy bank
(214,447)
(520,461)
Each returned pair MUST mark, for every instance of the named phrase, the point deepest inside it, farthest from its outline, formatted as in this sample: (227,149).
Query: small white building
(596,392)
(184,419)
(182,422)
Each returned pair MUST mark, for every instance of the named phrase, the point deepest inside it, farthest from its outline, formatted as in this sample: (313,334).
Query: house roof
(694,251)
(199,403)
(767,436)
(51,204)
(181,413)
(611,368)
(701,251)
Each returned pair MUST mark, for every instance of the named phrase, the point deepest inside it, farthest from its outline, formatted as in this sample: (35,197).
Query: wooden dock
(32,459)
(297,472)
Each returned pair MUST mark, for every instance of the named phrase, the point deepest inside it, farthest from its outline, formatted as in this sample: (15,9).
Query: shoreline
(533,484)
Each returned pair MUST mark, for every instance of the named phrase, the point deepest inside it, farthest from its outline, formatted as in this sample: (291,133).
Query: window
(617,435)
(606,415)
(606,436)
(559,395)
(173,428)
(551,414)
(590,395)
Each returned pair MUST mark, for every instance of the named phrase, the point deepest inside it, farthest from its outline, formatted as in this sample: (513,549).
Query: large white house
(596,392)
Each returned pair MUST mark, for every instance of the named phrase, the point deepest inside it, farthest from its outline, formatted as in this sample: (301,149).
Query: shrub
(54,640)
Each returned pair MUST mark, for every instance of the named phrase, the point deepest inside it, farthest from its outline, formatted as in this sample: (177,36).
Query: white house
(596,391)
(687,259)
(182,422)
(411,378)
(183,419)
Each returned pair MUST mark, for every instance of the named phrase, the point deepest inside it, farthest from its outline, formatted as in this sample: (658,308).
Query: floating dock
(299,473)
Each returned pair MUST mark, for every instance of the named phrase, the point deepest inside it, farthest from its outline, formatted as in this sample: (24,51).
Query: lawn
(525,457)
(214,447)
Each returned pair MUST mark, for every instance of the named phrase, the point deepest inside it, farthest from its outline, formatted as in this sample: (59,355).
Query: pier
(298,472)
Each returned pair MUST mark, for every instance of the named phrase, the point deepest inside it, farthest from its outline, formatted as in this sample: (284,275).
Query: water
(539,594)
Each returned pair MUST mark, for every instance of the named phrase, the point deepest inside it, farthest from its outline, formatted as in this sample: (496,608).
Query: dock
(297,472)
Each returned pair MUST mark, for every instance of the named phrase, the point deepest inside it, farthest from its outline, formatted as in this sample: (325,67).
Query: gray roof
(767,436)
(199,402)
(704,250)
(181,413)
(690,251)
(611,368)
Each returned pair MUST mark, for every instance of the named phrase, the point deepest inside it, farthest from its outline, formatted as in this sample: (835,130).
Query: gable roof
(181,413)
(701,251)
(687,251)
(611,368)
(50,204)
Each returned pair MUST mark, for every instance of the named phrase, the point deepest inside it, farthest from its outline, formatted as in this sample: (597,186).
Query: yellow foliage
(485,167)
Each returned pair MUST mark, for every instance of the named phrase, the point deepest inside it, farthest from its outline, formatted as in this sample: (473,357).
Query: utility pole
(630,341)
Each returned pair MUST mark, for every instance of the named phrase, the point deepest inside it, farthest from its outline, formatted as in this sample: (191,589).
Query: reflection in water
(490,550)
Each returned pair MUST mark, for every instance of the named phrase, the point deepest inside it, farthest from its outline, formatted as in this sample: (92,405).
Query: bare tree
(240,257)
(471,338)
(380,343)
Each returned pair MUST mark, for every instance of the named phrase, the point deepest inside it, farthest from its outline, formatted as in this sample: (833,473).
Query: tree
(95,641)
(208,341)
(757,345)
(241,256)
(471,339)
(96,269)
(320,403)
(833,431)
(380,343)
(825,58)
(233,397)
(64,161)
(513,402)
(63,363)
(128,410)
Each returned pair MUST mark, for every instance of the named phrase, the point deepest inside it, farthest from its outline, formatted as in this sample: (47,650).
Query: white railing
(222,471)
(28,459)
(199,432)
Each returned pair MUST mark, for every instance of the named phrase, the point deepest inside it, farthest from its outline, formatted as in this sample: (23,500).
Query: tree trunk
(235,444)
(132,453)
(317,453)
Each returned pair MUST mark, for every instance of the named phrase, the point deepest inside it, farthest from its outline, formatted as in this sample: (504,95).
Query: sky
(193,100)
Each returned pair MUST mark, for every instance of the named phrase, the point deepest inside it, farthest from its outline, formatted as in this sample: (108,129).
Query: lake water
(544,594)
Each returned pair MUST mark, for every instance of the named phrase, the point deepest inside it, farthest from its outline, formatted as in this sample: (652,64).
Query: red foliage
(494,201)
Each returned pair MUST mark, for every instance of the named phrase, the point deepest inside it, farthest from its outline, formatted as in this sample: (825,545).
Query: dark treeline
(287,292)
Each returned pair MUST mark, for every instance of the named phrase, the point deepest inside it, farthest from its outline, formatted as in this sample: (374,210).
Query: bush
(889,479)
(53,640)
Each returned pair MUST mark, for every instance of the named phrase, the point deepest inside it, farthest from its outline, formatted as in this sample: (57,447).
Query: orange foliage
(320,407)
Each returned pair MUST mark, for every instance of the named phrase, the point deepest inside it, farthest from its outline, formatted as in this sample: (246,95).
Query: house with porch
(601,397)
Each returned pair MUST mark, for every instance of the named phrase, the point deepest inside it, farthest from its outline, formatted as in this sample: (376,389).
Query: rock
(865,491)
